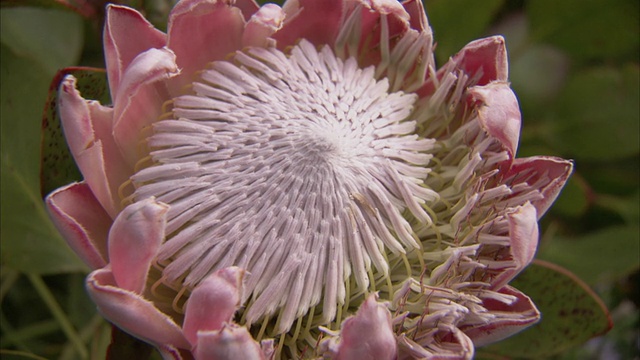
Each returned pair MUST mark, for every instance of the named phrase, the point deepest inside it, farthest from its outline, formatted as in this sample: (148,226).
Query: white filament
(297,168)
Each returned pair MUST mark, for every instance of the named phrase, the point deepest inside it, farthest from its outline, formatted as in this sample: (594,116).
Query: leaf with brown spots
(57,165)
(571,314)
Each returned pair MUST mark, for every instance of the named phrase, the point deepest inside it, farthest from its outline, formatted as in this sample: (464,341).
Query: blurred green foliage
(573,63)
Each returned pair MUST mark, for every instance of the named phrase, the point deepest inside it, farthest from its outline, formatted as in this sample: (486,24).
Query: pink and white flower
(300,181)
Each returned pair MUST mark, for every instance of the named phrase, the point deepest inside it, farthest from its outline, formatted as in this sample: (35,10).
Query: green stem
(8,334)
(9,277)
(58,314)
(21,354)
(86,333)
(30,332)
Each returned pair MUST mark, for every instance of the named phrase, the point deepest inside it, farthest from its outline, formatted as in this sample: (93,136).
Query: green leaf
(457,22)
(587,29)
(600,114)
(596,256)
(52,38)
(29,242)
(627,206)
(574,198)
(57,165)
(571,314)
(86,8)
(526,68)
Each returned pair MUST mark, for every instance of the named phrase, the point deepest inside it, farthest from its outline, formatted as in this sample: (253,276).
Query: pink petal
(396,15)
(82,222)
(523,231)
(74,113)
(203,31)
(132,313)
(556,171)
(316,21)
(487,56)
(134,240)
(262,25)
(87,126)
(372,12)
(213,302)
(499,113)
(247,7)
(509,320)
(231,342)
(139,101)
(368,334)
(417,15)
(116,170)
(120,46)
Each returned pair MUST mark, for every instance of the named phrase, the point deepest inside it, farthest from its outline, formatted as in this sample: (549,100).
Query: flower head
(303,177)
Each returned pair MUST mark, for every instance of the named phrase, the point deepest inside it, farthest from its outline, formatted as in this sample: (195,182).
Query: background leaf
(36,34)
(58,167)
(600,119)
(471,18)
(601,255)
(587,29)
(571,313)
(28,240)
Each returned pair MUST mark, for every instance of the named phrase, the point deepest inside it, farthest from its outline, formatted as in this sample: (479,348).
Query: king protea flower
(301,182)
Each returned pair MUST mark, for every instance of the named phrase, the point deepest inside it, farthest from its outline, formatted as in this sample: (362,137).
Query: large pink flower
(300,181)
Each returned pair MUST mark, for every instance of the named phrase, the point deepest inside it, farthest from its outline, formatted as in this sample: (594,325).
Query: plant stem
(58,314)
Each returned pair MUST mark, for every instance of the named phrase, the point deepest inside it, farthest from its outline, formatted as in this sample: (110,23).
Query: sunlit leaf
(538,72)
(574,199)
(58,167)
(85,8)
(587,28)
(627,206)
(50,37)
(457,22)
(606,253)
(29,241)
(571,314)
(600,115)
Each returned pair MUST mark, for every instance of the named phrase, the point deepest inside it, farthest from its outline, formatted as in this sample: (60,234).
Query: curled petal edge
(82,221)
(262,25)
(120,47)
(483,61)
(417,15)
(366,335)
(556,170)
(95,153)
(132,313)
(134,240)
(499,113)
(222,291)
(140,99)
(523,232)
(316,21)
(510,319)
(192,26)
(230,342)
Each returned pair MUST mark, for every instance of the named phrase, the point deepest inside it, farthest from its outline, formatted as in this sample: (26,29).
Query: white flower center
(298,169)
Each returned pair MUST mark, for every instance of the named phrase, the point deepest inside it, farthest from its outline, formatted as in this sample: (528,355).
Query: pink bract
(428,190)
